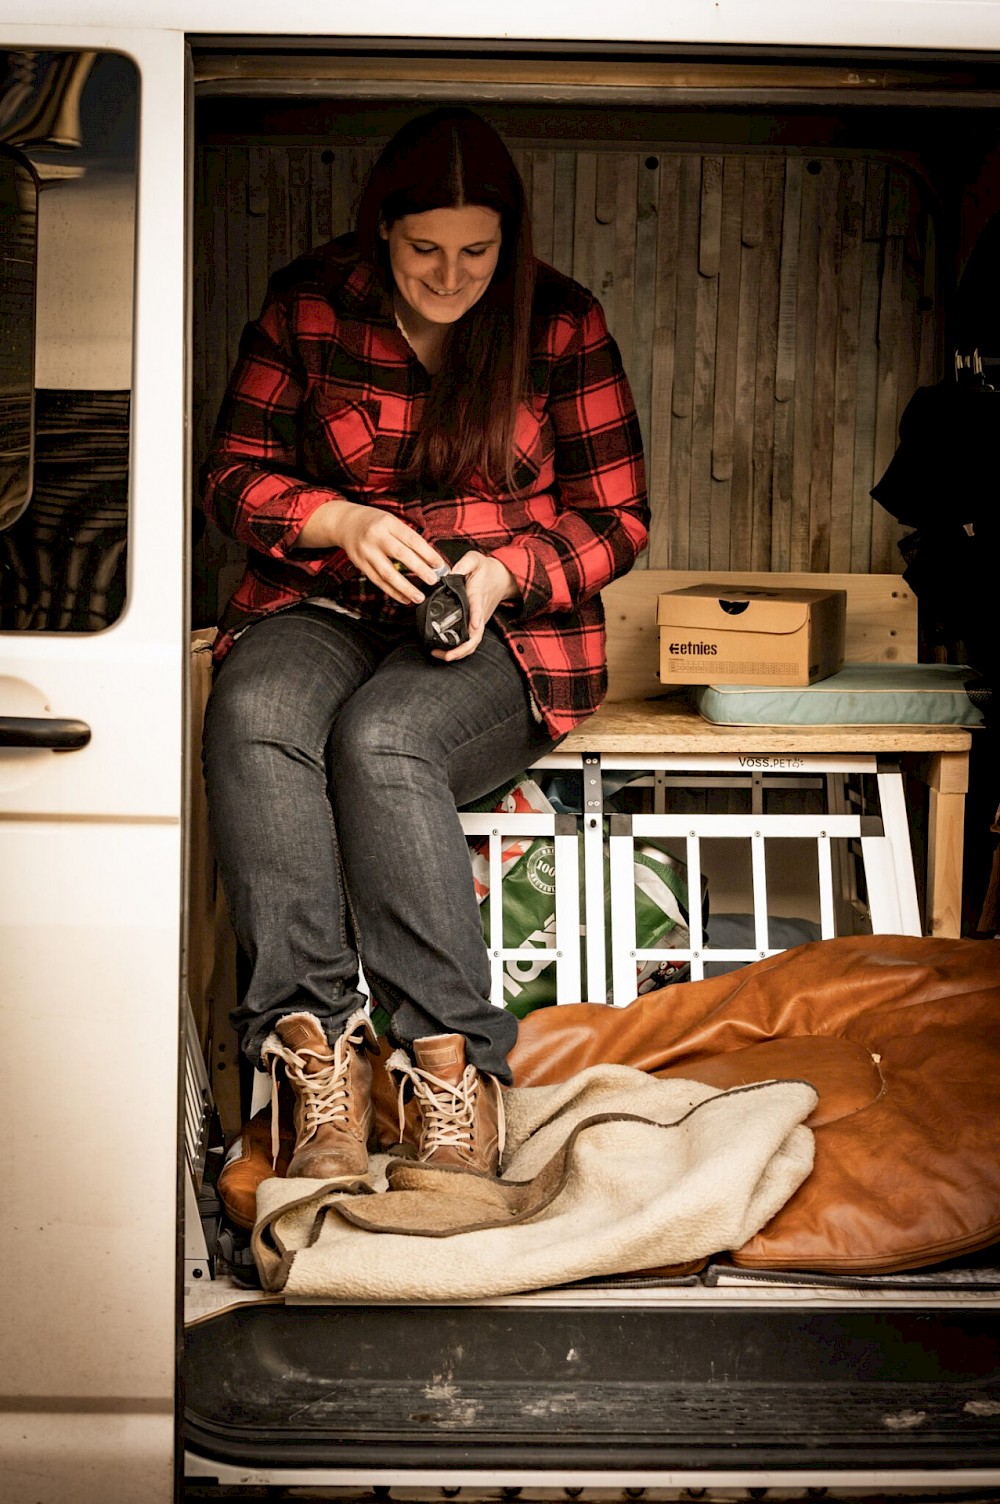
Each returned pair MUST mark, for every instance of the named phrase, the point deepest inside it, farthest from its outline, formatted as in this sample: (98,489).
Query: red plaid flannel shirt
(326,400)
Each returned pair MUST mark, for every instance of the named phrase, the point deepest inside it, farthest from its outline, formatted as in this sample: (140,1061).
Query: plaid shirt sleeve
(251,487)
(602,518)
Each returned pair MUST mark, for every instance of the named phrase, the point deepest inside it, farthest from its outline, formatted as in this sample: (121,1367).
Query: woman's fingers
(383,546)
(464,650)
(487,583)
(417,558)
(383,573)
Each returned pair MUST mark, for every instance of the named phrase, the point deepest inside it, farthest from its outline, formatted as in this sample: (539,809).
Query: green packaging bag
(661,910)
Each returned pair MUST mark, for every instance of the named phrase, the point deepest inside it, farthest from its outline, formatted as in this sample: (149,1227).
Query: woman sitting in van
(417,396)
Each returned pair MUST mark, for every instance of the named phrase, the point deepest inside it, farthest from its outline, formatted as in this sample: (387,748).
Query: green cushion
(861,694)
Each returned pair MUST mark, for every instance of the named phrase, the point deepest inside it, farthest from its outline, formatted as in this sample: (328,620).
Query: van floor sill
(204,1299)
(611,1384)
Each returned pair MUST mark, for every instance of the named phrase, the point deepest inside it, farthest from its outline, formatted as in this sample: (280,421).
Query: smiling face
(442,261)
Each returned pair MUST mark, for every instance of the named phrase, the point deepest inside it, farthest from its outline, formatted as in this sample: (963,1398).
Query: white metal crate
(879,841)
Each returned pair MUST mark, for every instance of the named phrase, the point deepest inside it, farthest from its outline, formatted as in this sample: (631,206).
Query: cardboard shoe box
(726,634)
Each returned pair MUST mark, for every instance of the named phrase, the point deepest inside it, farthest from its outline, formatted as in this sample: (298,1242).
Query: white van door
(92,625)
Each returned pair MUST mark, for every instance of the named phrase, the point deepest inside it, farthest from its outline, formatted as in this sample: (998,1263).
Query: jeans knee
(369,741)
(246,712)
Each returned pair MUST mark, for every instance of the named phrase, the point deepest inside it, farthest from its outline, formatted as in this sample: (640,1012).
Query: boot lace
(447,1108)
(324,1095)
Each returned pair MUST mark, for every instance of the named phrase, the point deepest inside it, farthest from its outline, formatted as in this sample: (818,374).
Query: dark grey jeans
(336,756)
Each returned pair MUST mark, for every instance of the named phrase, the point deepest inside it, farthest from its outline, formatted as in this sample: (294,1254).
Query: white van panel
(128,691)
(856,23)
(90,948)
(88,937)
(74,1456)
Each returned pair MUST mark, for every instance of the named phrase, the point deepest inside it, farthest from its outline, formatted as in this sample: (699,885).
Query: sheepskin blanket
(609,1172)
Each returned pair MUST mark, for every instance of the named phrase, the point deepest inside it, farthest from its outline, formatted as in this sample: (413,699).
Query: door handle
(38,731)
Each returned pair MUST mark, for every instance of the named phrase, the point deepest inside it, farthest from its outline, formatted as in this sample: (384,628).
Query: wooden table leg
(947,775)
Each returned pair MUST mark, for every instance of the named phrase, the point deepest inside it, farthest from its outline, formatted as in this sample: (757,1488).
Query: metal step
(628,1389)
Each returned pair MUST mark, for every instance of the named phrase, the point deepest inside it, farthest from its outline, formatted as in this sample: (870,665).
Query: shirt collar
(365,296)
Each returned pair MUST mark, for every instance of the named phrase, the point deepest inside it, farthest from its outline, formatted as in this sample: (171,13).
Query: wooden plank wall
(774,312)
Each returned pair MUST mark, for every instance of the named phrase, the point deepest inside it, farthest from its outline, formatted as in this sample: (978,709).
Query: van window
(18,229)
(68,124)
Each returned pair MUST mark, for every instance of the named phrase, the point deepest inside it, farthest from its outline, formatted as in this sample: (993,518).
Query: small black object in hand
(443,615)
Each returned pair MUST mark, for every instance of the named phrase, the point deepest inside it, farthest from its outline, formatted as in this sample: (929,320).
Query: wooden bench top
(669,723)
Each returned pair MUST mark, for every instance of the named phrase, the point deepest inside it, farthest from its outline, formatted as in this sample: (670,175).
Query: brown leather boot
(332,1086)
(461,1108)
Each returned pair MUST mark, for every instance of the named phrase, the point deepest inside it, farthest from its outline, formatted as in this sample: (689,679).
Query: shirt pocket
(338,437)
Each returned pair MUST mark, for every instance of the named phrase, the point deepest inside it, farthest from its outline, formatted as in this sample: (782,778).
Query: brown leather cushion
(900,1037)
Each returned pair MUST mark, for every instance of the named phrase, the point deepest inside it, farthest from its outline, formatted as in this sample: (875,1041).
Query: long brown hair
(448,159)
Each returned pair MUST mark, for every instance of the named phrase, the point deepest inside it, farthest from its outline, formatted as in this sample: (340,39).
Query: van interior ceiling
(777,240)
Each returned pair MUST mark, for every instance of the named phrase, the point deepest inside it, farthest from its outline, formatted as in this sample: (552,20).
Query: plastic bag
(528,876)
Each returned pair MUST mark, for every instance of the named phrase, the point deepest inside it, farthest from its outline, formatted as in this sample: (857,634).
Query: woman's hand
(375,542)
(487,583)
